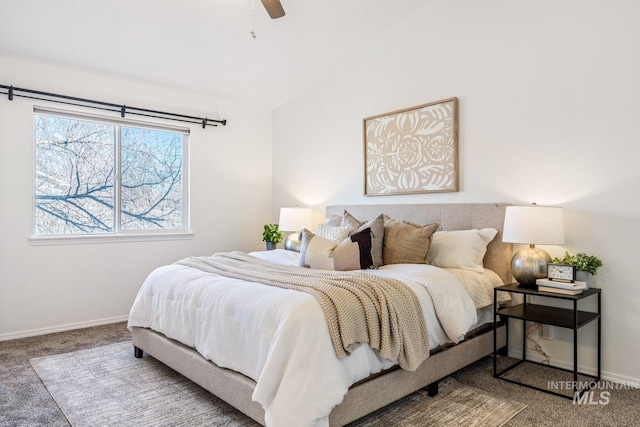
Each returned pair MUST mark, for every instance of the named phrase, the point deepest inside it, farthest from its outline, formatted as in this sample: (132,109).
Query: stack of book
(561,287)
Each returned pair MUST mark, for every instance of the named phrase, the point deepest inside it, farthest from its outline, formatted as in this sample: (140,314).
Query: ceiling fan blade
(274,8)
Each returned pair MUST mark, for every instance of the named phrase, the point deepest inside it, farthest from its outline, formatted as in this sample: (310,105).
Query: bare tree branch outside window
(77,174)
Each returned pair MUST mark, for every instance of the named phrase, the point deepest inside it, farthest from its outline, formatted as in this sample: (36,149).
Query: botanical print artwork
(412,150)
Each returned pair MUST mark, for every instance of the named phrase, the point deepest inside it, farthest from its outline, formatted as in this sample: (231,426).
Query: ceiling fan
(274,8)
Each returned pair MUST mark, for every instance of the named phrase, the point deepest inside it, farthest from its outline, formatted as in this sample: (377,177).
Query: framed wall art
(412,151)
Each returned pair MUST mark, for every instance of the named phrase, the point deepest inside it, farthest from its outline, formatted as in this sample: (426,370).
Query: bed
(333,391)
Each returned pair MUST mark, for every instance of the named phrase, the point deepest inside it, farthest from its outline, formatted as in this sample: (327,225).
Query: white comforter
(279,337)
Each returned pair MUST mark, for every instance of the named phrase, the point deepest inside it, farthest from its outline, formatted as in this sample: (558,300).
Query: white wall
(48,288)
(549,96)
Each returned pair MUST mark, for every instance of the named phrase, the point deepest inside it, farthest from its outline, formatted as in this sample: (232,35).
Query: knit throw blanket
(358,307)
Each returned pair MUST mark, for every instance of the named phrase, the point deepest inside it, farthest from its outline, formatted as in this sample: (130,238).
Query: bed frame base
(432,389)
(137,352)
(362,399)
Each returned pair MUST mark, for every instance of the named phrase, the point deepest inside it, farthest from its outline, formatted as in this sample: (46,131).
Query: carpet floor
(24,400)
(107,386)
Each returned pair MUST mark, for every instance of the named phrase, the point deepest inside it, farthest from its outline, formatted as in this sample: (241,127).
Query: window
(102,177)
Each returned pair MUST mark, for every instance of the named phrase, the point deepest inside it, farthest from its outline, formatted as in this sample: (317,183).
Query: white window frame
(118,235)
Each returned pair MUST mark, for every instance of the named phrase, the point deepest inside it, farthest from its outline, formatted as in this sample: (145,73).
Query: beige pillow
(353,253)
(377,233)
(406,242)
(461,248)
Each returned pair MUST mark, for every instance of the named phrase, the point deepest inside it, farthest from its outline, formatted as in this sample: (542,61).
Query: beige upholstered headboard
(455,216)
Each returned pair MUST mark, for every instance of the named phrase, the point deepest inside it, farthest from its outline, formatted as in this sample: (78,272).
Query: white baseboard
(61,328)
(590,370)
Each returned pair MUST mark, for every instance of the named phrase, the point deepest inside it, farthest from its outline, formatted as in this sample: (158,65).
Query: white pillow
(335,234)
(461,248)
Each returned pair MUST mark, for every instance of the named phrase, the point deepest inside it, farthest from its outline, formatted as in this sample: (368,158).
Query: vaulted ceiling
(199,45)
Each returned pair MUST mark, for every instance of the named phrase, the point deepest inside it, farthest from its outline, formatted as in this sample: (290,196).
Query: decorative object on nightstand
(532,225)
(556,286)
(272,235)
(585,265)
(561,272)
(294,220)
(561,278)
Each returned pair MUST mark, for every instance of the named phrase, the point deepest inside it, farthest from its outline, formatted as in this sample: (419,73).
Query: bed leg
(432,389)
(137,352)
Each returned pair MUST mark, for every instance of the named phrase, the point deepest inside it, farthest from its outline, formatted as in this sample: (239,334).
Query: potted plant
(586,265)
(272,235)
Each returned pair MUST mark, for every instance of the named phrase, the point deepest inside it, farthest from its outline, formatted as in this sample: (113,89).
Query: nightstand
(561,317)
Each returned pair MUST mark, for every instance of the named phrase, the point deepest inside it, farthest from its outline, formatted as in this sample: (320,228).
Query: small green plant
(272,233)
(582,261)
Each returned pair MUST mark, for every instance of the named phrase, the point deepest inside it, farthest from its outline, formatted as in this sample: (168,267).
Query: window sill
(112,238)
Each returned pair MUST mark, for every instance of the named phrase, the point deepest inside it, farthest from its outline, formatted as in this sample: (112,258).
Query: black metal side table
(561,317)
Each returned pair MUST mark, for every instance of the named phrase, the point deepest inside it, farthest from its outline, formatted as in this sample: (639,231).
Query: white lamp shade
(295,219)
(533,225)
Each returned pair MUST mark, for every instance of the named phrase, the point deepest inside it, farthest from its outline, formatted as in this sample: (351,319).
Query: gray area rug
(108,386)
(454,405)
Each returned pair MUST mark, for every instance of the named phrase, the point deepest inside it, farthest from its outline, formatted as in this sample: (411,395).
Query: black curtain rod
(12,92)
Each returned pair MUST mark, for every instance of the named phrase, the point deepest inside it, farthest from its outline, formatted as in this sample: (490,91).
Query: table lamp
(532,225)
(294,220)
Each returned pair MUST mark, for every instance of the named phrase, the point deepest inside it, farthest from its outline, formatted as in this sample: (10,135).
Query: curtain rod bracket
(10,93)
(123,110)
(204,123)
